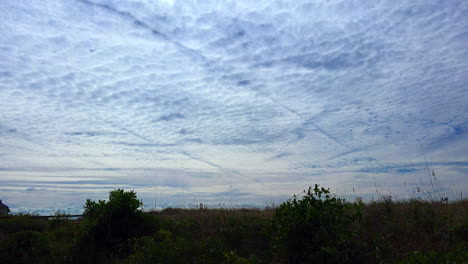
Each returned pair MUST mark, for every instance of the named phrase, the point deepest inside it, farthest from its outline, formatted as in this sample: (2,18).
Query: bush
(17,223)
(233,258)
(109,225)
(459,255)
(316,229)
(162,248)
(25,247)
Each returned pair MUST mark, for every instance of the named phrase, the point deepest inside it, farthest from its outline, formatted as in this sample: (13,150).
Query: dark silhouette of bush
(19,223)
(25,247)
(316,228)
(109,225)
(459,255)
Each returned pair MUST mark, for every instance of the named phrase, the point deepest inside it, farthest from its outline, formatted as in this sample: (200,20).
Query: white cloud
(231,89)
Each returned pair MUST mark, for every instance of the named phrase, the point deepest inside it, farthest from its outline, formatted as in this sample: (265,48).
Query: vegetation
(317,227)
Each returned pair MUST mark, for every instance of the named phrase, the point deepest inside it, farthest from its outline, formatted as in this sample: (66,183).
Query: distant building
(4,210)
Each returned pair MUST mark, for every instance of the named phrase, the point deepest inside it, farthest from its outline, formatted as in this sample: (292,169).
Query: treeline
(315,227)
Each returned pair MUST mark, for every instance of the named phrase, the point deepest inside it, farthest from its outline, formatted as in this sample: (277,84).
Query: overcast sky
(230,102)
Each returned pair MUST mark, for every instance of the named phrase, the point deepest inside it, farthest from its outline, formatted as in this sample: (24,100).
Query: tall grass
(381,231)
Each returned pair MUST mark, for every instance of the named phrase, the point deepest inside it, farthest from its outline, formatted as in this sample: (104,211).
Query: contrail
(139,23)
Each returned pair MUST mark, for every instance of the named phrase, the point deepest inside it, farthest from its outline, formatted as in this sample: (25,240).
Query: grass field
(316,228)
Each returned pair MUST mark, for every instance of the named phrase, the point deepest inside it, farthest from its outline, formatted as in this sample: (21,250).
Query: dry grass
(388,229)
(388,232)
(399,228)
(210,222)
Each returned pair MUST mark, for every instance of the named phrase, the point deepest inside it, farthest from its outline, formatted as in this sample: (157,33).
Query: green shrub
(25,247)
(108,226)
(60,219)
(459,255)
(163,247)
(246,237)
(62,239)
(316,228)
(233,258)
(17,223)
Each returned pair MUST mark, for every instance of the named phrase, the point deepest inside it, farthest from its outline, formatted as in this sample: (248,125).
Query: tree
(110,224)
(315,229)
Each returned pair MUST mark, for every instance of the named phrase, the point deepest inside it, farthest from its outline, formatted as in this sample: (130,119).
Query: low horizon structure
(4,210)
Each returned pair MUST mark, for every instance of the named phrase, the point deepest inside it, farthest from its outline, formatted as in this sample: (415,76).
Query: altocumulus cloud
(212,99)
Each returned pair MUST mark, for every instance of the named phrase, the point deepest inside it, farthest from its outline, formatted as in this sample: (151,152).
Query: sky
(231,103)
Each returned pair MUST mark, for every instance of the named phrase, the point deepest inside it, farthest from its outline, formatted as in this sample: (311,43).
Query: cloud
(141,144)
(171,117)
(281,155)
(32,189)
(92,133)
(238,91)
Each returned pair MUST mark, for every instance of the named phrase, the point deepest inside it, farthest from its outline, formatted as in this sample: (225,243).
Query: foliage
(460,255)
(60,219)
(316,228)
(395,230)
(19,223)
(110,224)
(161,248)
(233,258)
(25,247)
